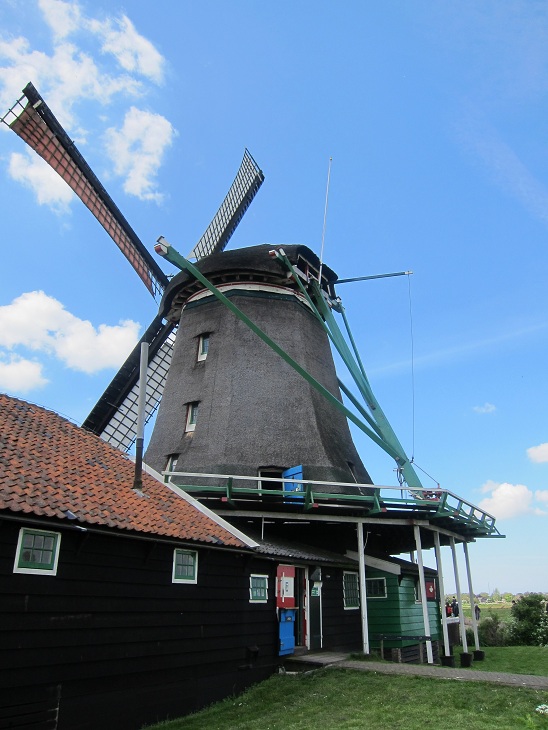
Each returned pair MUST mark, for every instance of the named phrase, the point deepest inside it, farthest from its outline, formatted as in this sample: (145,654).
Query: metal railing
(309,494)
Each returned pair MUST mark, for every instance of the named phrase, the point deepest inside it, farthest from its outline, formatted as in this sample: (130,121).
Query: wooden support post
(459,597)
(422,583)
(437,547)
(471,594)
(363,589)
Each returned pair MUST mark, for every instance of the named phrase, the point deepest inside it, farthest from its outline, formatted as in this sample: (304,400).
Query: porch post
(422,584)
(471,593)
(363,590)
(459,598)
(446,648)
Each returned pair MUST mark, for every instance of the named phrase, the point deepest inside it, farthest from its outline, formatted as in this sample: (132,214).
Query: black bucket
(466,659)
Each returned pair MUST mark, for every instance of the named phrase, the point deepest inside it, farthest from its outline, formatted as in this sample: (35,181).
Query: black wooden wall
(111,642)
(341,628)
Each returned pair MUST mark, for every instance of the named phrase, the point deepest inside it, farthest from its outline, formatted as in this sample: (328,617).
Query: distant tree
(495,596)
(508,597)
(529,616)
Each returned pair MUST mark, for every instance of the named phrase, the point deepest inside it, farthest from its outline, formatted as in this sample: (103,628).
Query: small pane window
(185,566)
(375,587)
(258,588)
(37,552)
(191,416)
(351,590)
(203,346)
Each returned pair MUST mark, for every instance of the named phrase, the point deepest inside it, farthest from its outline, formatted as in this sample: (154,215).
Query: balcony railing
(247,492)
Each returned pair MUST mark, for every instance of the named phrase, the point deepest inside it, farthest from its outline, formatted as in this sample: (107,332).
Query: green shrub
(529,626)
(492,631)
(541,633)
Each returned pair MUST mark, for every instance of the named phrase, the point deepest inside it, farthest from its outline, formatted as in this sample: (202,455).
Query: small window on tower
(203,346)
(170,465)
(191,416)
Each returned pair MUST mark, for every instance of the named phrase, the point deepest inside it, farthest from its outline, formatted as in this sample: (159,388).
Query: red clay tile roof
(48,465)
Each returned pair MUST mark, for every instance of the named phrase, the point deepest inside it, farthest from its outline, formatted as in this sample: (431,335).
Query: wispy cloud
(137,150)
(509,500)
(40,323)
(485,408)
(461,350)
(91,60)
(502,163)
(538,454)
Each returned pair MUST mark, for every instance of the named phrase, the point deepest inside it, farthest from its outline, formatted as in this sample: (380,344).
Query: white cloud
(64,78)
(132,50)
(508,500)
(34,173)
(67,75)
(63,18)
(41,323)
(541,495)
(538,454)
(18,375)
(485,408)
(137,150)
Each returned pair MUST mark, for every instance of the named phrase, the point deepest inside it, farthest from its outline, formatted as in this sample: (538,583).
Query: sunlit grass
(511,659)
(351,700)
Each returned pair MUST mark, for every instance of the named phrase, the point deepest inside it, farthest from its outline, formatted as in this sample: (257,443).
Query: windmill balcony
(283,497)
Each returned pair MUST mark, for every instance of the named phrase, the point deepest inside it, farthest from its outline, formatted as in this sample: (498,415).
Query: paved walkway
(334,659)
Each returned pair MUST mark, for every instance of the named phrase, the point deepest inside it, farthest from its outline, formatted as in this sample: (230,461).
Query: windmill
(230,404)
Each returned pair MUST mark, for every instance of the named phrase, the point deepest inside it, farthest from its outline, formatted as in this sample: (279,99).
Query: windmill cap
(250,263)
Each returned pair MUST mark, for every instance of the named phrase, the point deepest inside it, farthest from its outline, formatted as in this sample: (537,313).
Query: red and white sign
(285,586)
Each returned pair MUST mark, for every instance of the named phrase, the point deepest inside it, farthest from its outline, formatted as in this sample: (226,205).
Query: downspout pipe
(140,440)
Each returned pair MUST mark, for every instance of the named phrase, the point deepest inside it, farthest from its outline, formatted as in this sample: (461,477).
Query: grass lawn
(512,659)
(349,700)
(502,610)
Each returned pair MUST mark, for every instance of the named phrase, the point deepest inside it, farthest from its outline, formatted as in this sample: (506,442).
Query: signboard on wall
(285,586)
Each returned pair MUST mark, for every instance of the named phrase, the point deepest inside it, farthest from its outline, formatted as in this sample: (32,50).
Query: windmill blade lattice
(247,182)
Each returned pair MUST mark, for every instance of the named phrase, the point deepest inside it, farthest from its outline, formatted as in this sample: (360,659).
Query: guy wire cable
(412,370)
(324,220)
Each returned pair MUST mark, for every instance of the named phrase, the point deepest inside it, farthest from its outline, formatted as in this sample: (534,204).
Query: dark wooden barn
(118,607)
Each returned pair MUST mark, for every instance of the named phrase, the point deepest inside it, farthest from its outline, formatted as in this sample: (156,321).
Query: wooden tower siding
(119,643)
(254,410)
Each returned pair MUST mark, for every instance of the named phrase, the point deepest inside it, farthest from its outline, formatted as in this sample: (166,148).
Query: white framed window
(203,346)
(191,415)
(258,588)
(351,590)
(375,587)
(37,552)
(185,566)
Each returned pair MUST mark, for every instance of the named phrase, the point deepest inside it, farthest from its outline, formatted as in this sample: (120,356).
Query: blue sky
(436,117)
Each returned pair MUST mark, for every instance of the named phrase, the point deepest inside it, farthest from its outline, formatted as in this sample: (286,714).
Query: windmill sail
(247,182)
(35,123)
(114,417)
